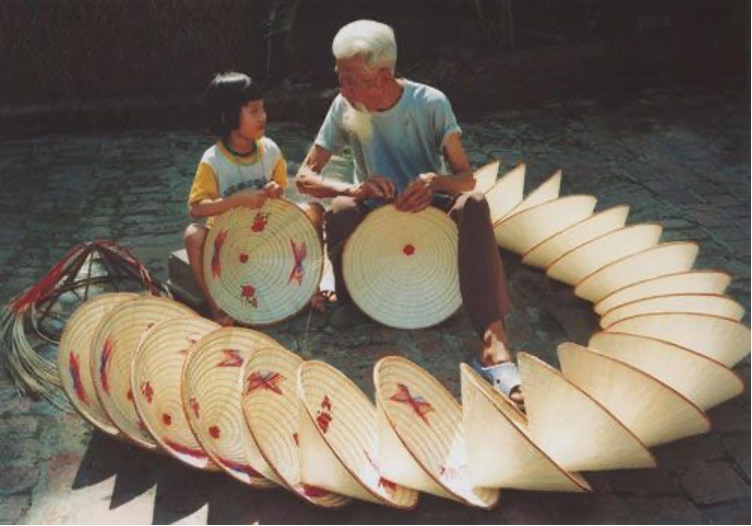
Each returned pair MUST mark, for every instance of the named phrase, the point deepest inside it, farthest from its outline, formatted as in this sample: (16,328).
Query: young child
(243,168)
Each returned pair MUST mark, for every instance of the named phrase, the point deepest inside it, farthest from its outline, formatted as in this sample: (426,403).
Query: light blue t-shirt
(407,139)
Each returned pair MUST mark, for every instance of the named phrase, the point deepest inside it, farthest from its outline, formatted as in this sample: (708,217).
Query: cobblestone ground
(681,160)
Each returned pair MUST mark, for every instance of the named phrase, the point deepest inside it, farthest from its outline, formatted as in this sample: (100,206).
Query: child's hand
(273,190)
(250,198)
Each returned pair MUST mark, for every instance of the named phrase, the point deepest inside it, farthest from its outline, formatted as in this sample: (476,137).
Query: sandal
(504,376)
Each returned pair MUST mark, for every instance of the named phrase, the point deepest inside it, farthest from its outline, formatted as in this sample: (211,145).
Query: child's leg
(315,212)
(195,236)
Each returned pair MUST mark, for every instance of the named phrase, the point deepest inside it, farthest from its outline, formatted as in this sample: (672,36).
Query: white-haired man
(398,131)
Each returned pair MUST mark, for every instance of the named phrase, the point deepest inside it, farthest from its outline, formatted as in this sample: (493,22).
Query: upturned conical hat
(522,231)
(500,449)
(704,381)
(571,267)
(485,177)
(262,266)
(339,439)
(422,442)
(555,246)
(652,410)
(401,267)
(691,282)
(572,427)
(115,344)
(212,386)
(156,378)
(712,304)
(74,357)
(661,260)
(506,193)
(721,339)
(272,411)
(547,191)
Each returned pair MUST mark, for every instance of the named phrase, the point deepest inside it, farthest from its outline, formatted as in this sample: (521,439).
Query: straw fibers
(712,304)
(547,191)
(571,267)
(724,340)
(704,381)
(485,177)
(422,437)
(156,383)
(272,412)
(500,449)
(555,246)
(115,343)
(506,193)
(573,428)
(652,410)
(401,267)
(691,282)
(74,358)
(338,439)
(522,231)
(263,265)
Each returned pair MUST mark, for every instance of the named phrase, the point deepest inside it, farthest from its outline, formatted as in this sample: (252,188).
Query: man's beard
(357,120)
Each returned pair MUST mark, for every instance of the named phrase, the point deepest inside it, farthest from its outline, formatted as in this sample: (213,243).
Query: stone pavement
(675,158)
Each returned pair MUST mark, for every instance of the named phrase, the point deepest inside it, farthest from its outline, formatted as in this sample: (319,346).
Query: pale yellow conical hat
(712,304)
(272,412)
(339,439)
(555,246)
(485,177)
(704,381)
(506,193)
(652,410)
(521,231)
(572,427)
(500,449)
(115,344)
(263,265)
(661,260)
(401,267)
(422,439)
(547,191)
(74,358)
(573,266)
(156,378)
(721,339)
(690,282)
(212,387)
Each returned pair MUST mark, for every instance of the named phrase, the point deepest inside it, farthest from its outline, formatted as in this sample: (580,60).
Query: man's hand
(375,187)
(313,185)
(249,198)
(273,190)
(418,194)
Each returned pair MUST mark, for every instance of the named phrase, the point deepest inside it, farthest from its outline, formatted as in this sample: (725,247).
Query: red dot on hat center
(409,250)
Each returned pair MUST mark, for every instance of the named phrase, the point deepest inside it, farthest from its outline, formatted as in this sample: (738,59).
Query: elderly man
(398,131)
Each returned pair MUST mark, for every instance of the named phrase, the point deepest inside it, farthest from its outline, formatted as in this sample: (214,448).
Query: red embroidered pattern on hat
(216,266)
(268,381)
(147,391)
(260,221)
(104,359)
(75,372)
(418,403)
(232,358)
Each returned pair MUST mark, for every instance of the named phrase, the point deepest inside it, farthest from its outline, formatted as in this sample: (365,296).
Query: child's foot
(324,299)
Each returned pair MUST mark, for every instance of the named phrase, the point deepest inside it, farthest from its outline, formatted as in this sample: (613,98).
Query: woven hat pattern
(401,268)
(263,265)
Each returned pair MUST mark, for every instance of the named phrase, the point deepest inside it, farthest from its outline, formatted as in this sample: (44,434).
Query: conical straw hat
(212,386)
(115,344)
(713,304)
(338,439)
(422,442)
(555,246)
(724,340)
(704,381)
(547,191)
(661,260)
(506,193)
(500,449)
(652,410)
(571,267)
(74,357)
(263,265)
(156,382)
(272,411)
(401,267)
(691,282)
(485,177)
(522,231)
(573,428)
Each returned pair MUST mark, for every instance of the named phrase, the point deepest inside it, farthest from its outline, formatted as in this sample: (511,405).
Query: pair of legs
(481,273)
(195,237)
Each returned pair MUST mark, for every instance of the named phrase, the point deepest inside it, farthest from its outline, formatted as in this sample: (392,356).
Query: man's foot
(324,299)
(346,315)
(505,377)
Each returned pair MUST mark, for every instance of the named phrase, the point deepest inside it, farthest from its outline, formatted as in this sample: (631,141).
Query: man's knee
(474,205)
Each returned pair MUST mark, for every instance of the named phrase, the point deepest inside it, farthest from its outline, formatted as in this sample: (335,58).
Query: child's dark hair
(226,94)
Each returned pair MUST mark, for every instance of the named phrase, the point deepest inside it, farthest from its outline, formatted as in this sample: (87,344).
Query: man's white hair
(373,40)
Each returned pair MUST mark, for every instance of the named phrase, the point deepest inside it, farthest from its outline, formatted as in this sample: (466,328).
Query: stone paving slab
(681,160)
